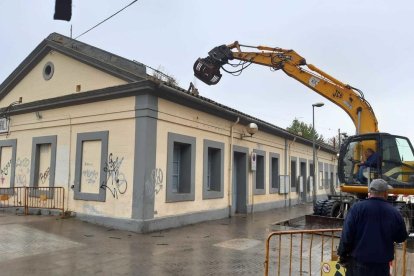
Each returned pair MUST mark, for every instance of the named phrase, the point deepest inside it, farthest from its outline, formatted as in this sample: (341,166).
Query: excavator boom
(350,99)
(395,154)
(397,161)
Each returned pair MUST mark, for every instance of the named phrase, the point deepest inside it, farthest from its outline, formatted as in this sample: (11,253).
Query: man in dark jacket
(371,161)
(370,229)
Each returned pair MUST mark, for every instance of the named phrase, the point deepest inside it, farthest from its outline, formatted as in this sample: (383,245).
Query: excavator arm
(350,99)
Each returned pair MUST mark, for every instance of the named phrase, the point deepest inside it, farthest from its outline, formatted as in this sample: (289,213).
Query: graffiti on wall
(44,176)
(154,184)
(22,171)
(90,176)
(4,171)
(115,180)
(90,173)
(157,177)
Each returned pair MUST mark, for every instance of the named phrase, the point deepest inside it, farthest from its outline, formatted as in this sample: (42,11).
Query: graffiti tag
(157,176)
(24,162)
(5,169)
(154,185)
(90,176)
(115,181)
(22,167)
(45,175)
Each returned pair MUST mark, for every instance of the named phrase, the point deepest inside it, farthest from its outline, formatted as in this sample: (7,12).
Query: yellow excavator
(394,160)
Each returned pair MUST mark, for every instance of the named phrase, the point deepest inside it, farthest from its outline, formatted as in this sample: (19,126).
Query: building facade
(135,153)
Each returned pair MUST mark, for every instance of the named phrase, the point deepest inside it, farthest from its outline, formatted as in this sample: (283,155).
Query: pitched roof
(110,63)
(130,71)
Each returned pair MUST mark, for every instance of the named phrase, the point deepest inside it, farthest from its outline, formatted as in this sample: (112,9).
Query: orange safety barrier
(33,197)
(313,252)
(12,197)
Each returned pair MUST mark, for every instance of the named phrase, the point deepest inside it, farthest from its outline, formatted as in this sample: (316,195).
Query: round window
(48,70)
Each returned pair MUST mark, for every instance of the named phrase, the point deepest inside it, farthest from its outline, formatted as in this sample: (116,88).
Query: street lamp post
(313,148)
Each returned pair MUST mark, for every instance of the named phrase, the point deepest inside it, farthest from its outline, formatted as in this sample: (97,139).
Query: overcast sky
(367,44)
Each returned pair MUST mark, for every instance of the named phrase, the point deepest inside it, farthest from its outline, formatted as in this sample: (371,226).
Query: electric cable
(90,29)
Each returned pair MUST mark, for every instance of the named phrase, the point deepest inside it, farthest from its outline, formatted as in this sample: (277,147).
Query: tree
(337,141)
(300,128)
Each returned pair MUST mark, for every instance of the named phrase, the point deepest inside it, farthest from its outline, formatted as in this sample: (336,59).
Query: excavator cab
(394,161)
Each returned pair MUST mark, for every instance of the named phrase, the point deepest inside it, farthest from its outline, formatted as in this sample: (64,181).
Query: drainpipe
(286,166)
(70,160)
(252,192)
(289,170)
(230,186)
(317,162)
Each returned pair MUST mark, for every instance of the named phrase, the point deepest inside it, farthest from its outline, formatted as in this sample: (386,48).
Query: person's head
(368,152)
(378,188)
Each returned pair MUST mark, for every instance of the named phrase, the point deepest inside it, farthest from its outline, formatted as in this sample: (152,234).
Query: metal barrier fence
(305,252)
(33,197)
(12,197)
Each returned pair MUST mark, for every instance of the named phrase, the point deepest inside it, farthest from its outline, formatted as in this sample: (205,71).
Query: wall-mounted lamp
(251,128)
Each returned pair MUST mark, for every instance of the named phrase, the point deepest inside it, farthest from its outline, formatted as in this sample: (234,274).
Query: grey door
(304,178)
(239,199)
(309,184)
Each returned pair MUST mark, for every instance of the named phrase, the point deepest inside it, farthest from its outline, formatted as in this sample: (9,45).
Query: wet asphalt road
(41,245)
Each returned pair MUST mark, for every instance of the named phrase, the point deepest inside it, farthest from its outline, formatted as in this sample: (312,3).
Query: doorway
(304,187)
(239,194)
(310,184)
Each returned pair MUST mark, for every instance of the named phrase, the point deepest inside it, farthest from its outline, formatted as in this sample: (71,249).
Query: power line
(106,19)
